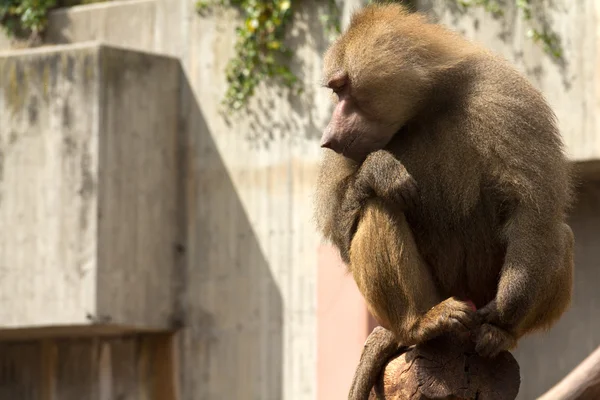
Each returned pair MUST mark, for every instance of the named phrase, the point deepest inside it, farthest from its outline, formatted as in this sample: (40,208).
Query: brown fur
(488,223)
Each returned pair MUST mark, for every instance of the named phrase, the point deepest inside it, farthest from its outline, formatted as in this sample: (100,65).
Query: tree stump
(448,368)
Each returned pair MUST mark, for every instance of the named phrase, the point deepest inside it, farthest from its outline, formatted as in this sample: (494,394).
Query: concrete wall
(343,325)
(251,261)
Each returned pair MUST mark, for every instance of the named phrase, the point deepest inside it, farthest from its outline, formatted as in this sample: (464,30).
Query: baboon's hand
(490,340)
(451,315)
(382,175)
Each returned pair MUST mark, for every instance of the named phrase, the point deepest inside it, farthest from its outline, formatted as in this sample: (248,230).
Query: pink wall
(343,325)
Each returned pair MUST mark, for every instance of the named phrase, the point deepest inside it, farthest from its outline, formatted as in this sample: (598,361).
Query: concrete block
(89,190)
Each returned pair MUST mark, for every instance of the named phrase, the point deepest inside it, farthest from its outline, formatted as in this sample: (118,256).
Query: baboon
(444,186)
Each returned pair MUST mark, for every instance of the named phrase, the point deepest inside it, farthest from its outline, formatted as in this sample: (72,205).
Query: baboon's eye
(338,83)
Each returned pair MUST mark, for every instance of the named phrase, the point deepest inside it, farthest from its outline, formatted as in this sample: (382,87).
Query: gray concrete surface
(88,188)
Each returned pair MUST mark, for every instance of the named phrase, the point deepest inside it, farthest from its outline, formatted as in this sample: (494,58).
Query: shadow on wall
(232,341)
(509,28)
(301,115)
(547,358)
(313,35)
(57,27)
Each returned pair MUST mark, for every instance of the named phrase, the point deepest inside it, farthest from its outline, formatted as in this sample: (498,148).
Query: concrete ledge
(127,23)
(73,332)
(89,195)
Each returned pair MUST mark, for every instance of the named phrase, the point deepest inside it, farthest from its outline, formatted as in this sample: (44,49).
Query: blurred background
(158,160)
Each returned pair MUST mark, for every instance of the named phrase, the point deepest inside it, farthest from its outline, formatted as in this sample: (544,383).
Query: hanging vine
(261,52)
(548,39)
(29,18)
(25,17)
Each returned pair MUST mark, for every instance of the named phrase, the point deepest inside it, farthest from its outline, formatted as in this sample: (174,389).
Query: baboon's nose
(329,140)
(326,144)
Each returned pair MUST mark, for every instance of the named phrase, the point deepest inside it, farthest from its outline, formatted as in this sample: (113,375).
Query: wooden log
(583,383)
(448,368)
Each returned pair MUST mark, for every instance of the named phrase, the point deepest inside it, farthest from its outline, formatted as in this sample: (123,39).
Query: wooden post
(448,368)
(164,369)
(48,369)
